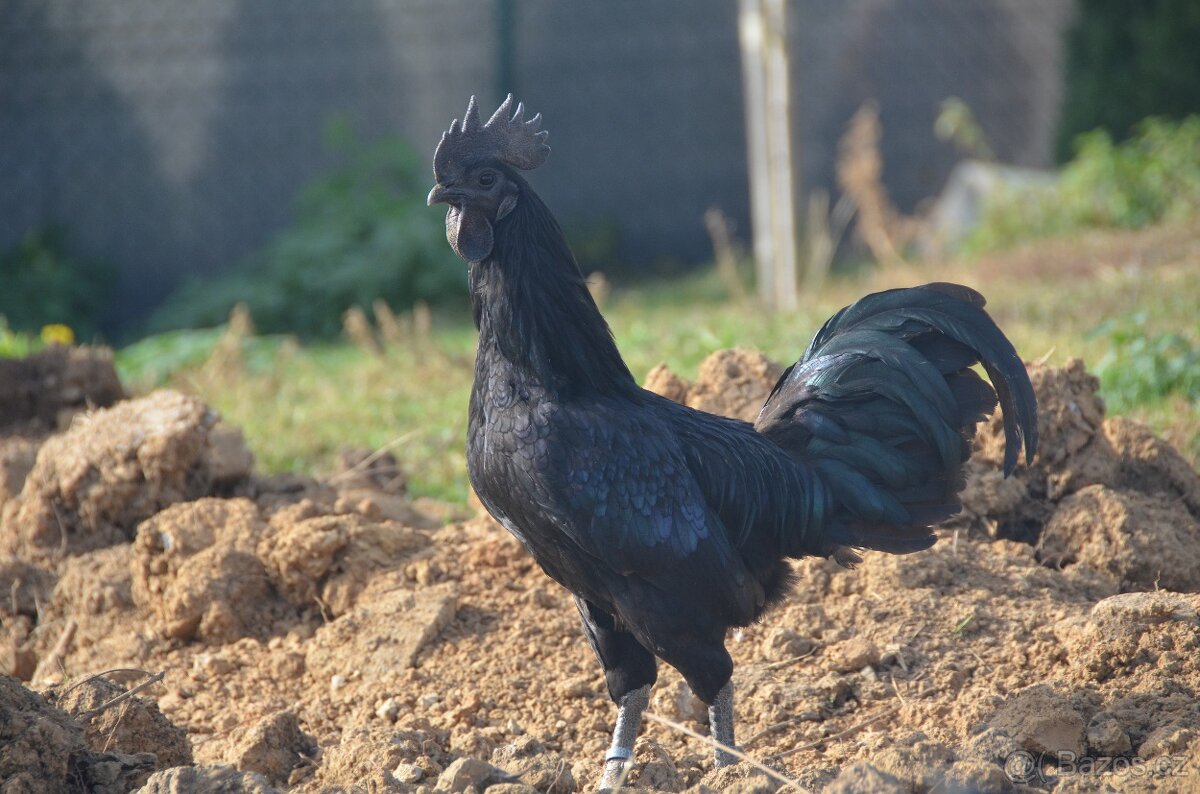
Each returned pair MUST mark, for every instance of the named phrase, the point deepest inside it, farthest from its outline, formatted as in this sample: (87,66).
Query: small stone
(468,772)
(975,776)
(429,700)
(920,765)
(211,665)
(408,773)
(834,688)
(511,788)
(1167,740)
(1106,737)
(783,643)
(336,683)
(852,654)
(678,702)
(537,766)
(991,745)
(578,687)
(861,776)
(215,777)
(388,710)
(273,746)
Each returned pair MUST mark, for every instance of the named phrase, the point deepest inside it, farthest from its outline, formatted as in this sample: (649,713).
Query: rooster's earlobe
(508,204)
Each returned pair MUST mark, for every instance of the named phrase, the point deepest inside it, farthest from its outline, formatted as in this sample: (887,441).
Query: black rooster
(668,524)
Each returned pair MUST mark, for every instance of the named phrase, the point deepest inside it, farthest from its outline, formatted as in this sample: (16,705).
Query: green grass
(1092,297)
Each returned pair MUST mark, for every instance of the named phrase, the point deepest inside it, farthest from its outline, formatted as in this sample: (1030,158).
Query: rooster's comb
(513,140)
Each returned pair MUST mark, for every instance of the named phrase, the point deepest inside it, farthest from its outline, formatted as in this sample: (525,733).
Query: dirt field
(334,636)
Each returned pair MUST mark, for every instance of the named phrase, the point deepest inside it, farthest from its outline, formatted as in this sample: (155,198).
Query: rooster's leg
(629,722)
(720,720)
(630,671)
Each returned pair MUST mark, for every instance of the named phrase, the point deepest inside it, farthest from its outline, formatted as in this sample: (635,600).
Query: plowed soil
(173,621)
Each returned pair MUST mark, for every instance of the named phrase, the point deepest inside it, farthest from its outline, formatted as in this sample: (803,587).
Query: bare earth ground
(334,636)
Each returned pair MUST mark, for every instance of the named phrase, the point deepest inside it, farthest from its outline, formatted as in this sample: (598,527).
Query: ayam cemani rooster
(670,525)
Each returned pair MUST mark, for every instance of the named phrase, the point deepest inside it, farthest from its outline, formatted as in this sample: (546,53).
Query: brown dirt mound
(214,779)
(42,392)
(133,726)
(37,740)
(274,747)
(328,560)
(17,456)
(1102,492)
(316,638)
(42,749)
(25,588)
(1142,541)
(732,382)
(91,485)
(195,571)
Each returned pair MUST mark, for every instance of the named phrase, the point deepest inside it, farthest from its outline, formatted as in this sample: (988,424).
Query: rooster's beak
(439,195)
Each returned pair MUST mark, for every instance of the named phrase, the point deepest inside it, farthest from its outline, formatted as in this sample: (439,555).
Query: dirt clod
(273,746)
(195,569)
(732,382)
(42,749)
(530,760)
(43,391)
(467,773)
(113,468)
(852,654)
(1142,541)
(975,777)
(921,764)
(1041,720)
(1106,737)
(132,726)
(328,560)
(17,456)
(214,779)
(382,635)
(38,741)
(862,776)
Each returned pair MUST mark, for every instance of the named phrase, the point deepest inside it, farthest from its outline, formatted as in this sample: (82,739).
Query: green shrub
(18,344)
(360,233)
(148,362)
(1154,176)
(152,361)
(1141,368)
(44,285)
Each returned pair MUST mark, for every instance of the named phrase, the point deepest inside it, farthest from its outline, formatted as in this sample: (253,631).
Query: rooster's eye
(487,179)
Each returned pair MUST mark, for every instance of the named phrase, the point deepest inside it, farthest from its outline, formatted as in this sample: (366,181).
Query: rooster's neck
(535,313)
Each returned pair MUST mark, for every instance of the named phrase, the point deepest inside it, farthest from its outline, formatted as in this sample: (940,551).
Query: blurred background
(167,161)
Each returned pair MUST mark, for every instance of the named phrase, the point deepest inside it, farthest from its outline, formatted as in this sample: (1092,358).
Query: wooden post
(762,27)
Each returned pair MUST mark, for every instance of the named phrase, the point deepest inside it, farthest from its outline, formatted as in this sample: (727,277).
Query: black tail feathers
(884,406)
